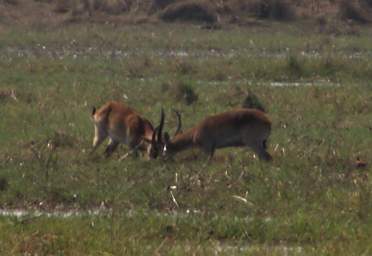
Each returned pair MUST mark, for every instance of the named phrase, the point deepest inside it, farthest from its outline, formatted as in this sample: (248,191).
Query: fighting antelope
(124,125)
(235,128)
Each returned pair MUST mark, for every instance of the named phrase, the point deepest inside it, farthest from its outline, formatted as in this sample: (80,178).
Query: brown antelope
(235,128)
(123,125)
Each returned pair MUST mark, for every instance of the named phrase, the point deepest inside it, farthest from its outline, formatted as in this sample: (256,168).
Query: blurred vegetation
(206,11)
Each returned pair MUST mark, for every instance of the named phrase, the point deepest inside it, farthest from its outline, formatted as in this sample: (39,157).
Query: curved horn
(153,137)
(179,122)
(161,125)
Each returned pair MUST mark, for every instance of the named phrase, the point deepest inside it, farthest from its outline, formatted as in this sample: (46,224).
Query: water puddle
(61,52)
(219,247)
(258,248)
(23,213)
(100,211)
(315,83)
(104,212)
(321,83)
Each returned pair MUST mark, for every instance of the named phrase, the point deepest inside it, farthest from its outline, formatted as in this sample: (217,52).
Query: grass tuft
(252,101)
(294,66)
(183,67)
(4,184)
(182,92)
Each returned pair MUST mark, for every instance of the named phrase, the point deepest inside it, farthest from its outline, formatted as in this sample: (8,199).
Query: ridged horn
(179,122)
(161,125)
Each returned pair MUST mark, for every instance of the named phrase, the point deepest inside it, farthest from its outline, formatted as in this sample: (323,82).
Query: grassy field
(311,200)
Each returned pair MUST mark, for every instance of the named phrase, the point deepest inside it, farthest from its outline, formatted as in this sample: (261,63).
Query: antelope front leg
(111,148)
(131,151)
(260,148)
(99,137)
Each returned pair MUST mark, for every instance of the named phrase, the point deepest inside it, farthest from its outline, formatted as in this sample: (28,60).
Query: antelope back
(235,128)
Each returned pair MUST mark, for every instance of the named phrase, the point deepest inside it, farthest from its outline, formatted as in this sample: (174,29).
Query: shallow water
(22,213)
(321,82)
(62,52)
(99,211)
(258,248)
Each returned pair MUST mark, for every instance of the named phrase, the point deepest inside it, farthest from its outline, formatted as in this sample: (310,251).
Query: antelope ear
(94,110)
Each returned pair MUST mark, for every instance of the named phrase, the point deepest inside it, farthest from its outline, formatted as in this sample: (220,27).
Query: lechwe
(124,125)
(236,128)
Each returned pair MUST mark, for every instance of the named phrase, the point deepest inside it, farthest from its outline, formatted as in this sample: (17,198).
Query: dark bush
(44,1)
(63,6)
(272,9)
(348,11)
(161,4)
(107,6)
(367,2)
(115,7)
(189,11)
(110,7)
(12,2)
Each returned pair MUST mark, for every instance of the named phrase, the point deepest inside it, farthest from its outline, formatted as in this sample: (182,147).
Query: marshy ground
(315,197)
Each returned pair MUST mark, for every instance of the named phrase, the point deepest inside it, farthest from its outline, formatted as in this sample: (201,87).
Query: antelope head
(156,145)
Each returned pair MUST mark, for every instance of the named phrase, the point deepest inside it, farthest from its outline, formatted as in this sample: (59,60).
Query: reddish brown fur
(235,128)
(122,125)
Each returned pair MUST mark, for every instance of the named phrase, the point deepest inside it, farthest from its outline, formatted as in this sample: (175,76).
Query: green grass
(310,201)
